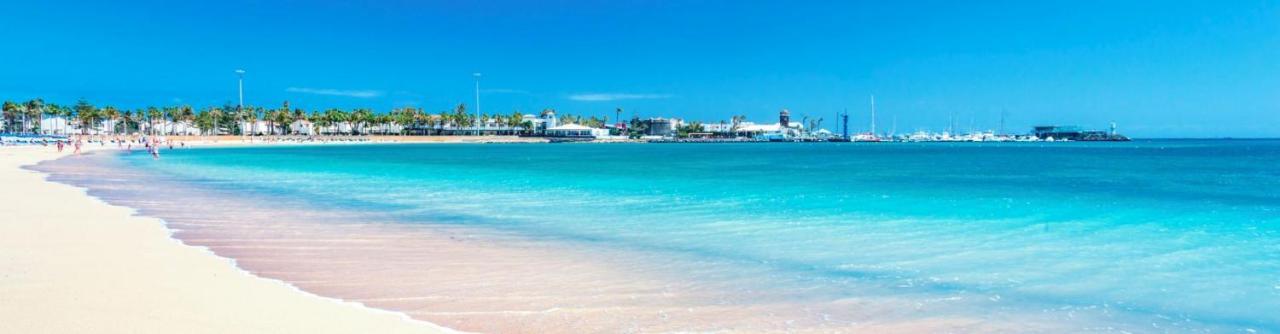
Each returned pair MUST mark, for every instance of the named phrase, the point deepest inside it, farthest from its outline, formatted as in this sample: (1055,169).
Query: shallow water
(1150,236)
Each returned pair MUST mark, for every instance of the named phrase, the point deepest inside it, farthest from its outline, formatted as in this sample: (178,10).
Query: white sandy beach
(72,264)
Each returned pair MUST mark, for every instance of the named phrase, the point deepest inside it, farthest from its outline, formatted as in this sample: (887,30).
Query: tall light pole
(240,74)
(477,75)
(240,108)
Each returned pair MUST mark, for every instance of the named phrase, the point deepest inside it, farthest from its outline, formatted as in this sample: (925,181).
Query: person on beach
(79,142)
(153,147)
(60,145)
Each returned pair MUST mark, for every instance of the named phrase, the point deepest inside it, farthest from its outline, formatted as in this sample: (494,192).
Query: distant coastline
(39,119)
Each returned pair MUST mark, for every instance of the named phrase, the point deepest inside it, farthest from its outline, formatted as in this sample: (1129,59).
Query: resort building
(302,127)
(168,127)
(750,129)
(56,125)
(575,131)
(255,128)
(546,120)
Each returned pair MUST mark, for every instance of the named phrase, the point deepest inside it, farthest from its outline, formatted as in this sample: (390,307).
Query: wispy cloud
(600,97)
(364,94)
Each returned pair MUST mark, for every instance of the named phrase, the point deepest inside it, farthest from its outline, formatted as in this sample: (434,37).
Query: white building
(57,125)
(254,128)
(165,127)
(575,131)
(302,127)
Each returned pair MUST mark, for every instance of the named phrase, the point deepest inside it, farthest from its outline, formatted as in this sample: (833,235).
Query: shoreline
(172,285)
(536,298)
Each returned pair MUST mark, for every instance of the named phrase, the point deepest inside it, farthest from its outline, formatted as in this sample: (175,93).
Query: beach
(514,238)
(73,264)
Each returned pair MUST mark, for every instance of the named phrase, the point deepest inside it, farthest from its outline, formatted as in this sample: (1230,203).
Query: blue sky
(1158,68)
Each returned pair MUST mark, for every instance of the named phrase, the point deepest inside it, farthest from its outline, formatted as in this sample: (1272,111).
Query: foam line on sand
(70,263)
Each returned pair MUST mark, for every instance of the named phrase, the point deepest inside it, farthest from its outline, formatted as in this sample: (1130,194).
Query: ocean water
(1144,236)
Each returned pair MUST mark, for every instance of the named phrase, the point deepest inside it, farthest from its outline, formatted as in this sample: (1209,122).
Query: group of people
(152,144)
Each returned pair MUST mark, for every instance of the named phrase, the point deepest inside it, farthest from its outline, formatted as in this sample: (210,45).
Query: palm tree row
(21,117)
(85,118)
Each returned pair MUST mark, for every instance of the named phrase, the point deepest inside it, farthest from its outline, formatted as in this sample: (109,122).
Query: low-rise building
(662,127)
(575,131)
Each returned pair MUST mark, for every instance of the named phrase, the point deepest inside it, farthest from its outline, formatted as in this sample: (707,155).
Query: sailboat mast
(951,123)
(873,115)
(1002,112)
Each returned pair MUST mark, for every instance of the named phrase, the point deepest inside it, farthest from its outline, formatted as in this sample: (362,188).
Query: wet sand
(70,263)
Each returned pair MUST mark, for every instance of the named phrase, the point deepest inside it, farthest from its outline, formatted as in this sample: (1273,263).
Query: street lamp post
(478,121)
(240,74)
(240,107)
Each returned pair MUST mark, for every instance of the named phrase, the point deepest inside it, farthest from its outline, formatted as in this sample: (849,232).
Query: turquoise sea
(1144,236)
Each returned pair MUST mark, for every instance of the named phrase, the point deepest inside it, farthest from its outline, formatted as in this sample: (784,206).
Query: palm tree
(110,113)
(737,122)
(152,115)
(270,118)
(444,119)
(298,115)
(259,113)
(248,116)
(403,117)
(128,117)
(381,121)
(86,113)
(526,126)
(10,113)
(461,116)
(204,121)
(318,122)
(214,114)
(167,116)
(19,116)
(35,108)
(88,117)
(187,116)
(336,117)
(361,117)
(515,120)
(68,114)
(282,119)
(50,111)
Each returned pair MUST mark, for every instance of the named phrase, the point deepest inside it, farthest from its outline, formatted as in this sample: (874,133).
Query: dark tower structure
(844,125)
(784,118)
